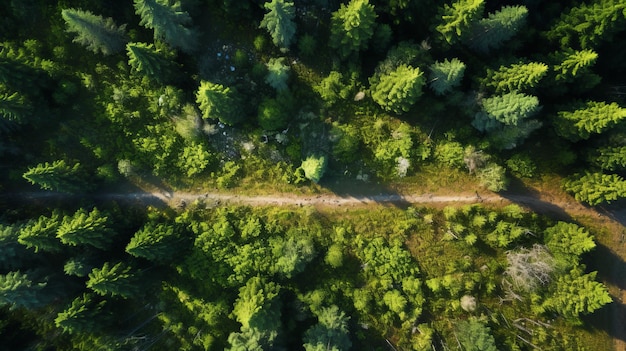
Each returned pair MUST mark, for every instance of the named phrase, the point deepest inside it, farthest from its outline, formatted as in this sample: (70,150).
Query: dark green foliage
(116,280)
(518,76)
(279,22)
(446,75)
(274,114)
(12,254)
(15,108)
(219,102)
(491,32)
(57,176)
(474,335)
(18,290)
(591,118)
(398,90)
(610,158)
(169,21)
(346,143)
(155,242)
(596,188)
(83,228)
(84,315)
(521,165)
(146,59)
(330,333)
(277,74)
(335,88)
(40,234)
(96,33)
(457,19)
(351,27)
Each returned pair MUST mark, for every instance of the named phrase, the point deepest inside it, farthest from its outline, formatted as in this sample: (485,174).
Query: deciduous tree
(96,33)
(314,167)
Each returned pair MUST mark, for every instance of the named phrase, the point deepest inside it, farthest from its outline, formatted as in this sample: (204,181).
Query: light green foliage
(450,153)
(493,177)
(292,254)
(519,76)
(446,75)
(334,256)
(84,315)
(596,188)
(219,102)
(458,18)
(314,167)
(474,335)
(335,88)
(116,280)
(491,32)
(229,175)
(56,176)
(18,290)
(84,228)
(79,266)
(593,118)
(398,90)
(40,234)
(195,159)
(577,294)
(351,27)
(588,23)
(610,158)
(521,165)
(169,21)
(573,62)
(158,146)
(277,74)
(15,107)
(279,22)
(330,333)
(96,33)
(146,59)
(157,242)
(567,241)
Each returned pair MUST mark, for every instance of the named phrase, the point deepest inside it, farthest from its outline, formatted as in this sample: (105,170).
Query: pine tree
(147,60)
(15,108)
(398,90)
(567,241)
(219,102)
(518,76)
(491,32)
(84,228)
(574,62)
(279,22)
(40,234)
(473,335)
(57,176)
(96,33)
(610,158)
(277,74)
(116,280)
(596,188)
(593,118)
(155,242)
(84,315)
(458,18)
(508,109)
(12,254)
(446,75)
(351,27)
(169,21)
(19,290)
(330,333)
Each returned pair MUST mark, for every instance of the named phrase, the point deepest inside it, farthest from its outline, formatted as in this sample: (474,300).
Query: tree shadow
(530,199)
(366,192)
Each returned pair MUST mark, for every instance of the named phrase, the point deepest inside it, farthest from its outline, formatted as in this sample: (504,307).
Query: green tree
(219,102)
(279,22)
(351,27)
(491,32)
(40,233)
(330,333)
(155,242)
(592,118)
(12,254)
(573,63)
(83,315)
(57,176)
(567,241)
(15,107)
(18,289)
(117,280)
(314,167)
(147,60)
(446,75)
(473,335)
(610,158)
(335,88)
(274,114)
(519,76)
(83,228)
(458,18)
(507,109)
(493,177)
(577,294)
(277,74)
(96,33)
(169,21)
(596,188)
(195,159)
(398,90)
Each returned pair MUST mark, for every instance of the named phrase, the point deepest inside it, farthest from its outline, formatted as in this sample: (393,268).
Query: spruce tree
(398,90)
(57,176)
(15,107)
(12,254)
(279,22)
(473,335)
(610,158)
(18,289)
(147,60)
(593,118)
(458,18)
(219,102)
(40,233)
(574,63)
(518,76)
(155,242)
(446,75)
(277,74)
(116,280)
(330,333)
(509,109)
(351,27)
(96,33)
(491,32)
(169,22)
(84,228)
(567,241)
(84,315)
(596,188)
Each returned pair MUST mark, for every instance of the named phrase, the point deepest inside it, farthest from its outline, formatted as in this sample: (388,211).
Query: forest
(305,98)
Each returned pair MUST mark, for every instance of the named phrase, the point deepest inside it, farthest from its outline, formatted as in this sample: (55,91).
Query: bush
(521,166)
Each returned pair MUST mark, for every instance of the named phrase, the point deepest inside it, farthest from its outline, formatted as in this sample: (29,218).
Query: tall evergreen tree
(219,102)
(57,176)
(331,332)
(169,22)
(96,33)
(574,62)
(84,228)
(84,315)
(18,289)
(567,241)
(147,60)
(15,107)
(155,242)
(473,335)
(351,27)
(277,74)
(279,22)
(610,158)
(491,32)
(596,188)
(398,90)
(117,280)
(593,118)
(518,76)
(458,18)
(40,233)
(12,254)
(446,75)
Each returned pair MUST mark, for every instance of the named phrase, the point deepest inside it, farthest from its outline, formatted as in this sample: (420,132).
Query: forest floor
(609,222)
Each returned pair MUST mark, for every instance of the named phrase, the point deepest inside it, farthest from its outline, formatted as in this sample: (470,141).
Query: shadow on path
(529,198)
(367,192)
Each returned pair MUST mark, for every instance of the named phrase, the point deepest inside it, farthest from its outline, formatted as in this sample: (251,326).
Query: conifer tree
(15,107)
(398,90)
(84,228)
(610,158)
(574,62)
(12,254)
(116,280)
(279,22)
(491,32)
(596,188)
(330,333)
(147,60)
(40,234)
(169,21)
(567,241)
(155,242)
(518,76)
(458,18)
(277,74)
(84,315)
(446,75)
(18,289)
(96,33)
(351,27)
(593,118)
(473,335)
(56,176)
(219,102)
(508,109)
